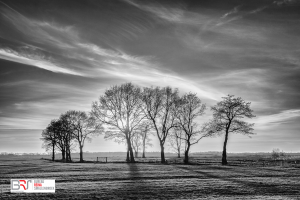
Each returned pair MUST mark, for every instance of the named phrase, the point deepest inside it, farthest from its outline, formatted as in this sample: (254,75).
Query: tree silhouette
(66,129)
(226,119)
(159,108)
(49,138)
(137,142)
(145,131)
(121,108)
(176,141)
(83,127)
(141,137)
(55,133)
(188,108)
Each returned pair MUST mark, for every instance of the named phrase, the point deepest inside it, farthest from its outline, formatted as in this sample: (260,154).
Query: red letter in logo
(22,184)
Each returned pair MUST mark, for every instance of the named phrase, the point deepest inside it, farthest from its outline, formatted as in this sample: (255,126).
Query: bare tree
(60,142)
(226,118)
(159,105)
(176,142)
(57,129)
(188,108)
(137,142)
(141,138)
(121,108)
(83,127)
(67,128)
(49,138)
(145,130)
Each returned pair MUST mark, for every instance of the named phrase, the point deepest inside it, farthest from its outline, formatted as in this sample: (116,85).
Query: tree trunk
(63,154)
(70,158)
(178,152)
(130,150)
(186,154)
(80,153)
(68,154)
(131,155)
(162,153)
(136,154)
(127,155)
(53,153)
(69,147)
(224,155)
(66,149)
(144,146)
(143,153)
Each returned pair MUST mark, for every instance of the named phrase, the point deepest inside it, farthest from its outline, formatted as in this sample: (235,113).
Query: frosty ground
(151,180)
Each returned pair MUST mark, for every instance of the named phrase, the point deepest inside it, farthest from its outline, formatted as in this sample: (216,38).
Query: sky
(58,55)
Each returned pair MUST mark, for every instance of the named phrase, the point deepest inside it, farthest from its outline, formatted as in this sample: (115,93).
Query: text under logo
(32,185)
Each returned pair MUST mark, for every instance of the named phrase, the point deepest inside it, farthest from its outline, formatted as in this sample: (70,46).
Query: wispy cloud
(8,54)
(65,40)
(171,14)
(264,122)
(80,57)
(233,11)
(286,2)
(178,14)
(227,18)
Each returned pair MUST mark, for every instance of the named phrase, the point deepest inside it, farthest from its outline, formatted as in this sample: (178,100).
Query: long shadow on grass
(253,188)
(137,186)
(132,186)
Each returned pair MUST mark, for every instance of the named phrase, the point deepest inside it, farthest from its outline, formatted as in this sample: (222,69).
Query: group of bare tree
(127,108)
(129,114)
(71,129)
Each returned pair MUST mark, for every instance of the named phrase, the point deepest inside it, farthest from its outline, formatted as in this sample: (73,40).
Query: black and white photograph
(150,99)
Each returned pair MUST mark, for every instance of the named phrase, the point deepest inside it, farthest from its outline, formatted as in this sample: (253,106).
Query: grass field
(151,180)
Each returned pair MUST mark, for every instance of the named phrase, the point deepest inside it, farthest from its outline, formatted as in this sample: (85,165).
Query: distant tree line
(130,114)
(73,127)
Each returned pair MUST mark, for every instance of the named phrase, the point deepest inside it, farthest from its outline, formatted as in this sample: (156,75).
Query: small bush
(277,154)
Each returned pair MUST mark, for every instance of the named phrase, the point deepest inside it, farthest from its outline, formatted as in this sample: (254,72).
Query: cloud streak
(171,14)
(8,54)
(278,118)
